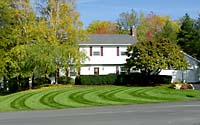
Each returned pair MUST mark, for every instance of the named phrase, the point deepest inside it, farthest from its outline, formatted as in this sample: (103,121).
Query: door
(96,70)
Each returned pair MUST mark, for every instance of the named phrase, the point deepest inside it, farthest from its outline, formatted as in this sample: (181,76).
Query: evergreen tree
(186,35)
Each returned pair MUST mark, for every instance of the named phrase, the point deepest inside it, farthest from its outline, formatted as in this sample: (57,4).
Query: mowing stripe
(19,103)
(110,96)
(79,97)
(48,99)
(64,98)
(34,101)
(94,96)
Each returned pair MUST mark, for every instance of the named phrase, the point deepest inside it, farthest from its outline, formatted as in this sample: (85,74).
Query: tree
(32,45)
(151,56)
(102,27)
(189,35)
(127,21)
(197,38)
(66,31)
(154,26)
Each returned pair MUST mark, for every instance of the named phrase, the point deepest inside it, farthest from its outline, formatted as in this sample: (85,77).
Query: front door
(96,70)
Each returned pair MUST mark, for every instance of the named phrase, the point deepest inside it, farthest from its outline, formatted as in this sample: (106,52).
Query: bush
(40,81)
(123,79)
(65,80)
(16,84)
(96,80)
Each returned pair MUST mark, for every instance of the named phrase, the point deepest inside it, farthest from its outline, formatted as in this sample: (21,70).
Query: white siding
(109,55)
(103,70)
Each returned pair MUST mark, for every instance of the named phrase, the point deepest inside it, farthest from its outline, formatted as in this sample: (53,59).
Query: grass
(71,97)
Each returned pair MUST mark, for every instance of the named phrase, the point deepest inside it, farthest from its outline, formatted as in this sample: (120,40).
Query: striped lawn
(72,97)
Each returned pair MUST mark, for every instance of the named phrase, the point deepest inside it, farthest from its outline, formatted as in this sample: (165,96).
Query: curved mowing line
(64,99)
(93,96)
(19,103)
(139,94)
(163,96)
(144,93)
(110,96)
(123,95)
(34,101)
(79,97)
(48,99)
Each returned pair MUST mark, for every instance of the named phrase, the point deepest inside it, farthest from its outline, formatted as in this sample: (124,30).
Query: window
(96,53)
(123,53)
(90,50)
(101,50)
(118,51)
(96,70)
(72,71)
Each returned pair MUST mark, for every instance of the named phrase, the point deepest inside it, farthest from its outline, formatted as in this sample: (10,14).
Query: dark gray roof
(110,39)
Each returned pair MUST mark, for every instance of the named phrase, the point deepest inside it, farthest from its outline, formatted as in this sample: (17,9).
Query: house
(106,54)
(191,75)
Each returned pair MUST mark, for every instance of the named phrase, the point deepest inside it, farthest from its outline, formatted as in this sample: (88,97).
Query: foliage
(32,45)
(156,27)
(137,79)
(102,27)
(41,81)
(151,56)
(65,80)
(127,21)
(97,80)
(189,35)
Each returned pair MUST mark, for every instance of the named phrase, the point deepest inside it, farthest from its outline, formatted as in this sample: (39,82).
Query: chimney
(133,31)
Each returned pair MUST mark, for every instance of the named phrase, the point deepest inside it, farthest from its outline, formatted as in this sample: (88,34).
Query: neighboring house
(192,74)
(106,54)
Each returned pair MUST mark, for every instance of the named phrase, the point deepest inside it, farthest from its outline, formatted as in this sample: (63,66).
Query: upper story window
(96,53)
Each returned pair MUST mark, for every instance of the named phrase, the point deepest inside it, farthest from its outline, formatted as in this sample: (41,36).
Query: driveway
(181,113)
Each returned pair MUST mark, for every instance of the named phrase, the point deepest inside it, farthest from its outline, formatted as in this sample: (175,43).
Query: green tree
(186,35)
(102,27)
(150,57)
(67,31)
(197,38)
(38,46)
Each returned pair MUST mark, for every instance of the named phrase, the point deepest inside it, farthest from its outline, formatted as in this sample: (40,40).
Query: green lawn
(70,97)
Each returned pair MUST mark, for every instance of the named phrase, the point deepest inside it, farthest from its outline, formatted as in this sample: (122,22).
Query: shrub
(40,81)
(96,80)
(65,80)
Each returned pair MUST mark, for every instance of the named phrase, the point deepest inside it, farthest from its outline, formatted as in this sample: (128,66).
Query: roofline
(105,44)
(191,57)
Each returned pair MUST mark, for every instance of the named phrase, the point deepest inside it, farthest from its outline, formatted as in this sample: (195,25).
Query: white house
(106,54)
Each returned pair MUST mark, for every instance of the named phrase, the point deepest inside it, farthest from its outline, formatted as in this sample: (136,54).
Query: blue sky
(91,10)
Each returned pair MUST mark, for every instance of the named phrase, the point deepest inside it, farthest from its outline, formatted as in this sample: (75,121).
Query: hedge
(65,80)
(113,79)
(96,80)
(40,81)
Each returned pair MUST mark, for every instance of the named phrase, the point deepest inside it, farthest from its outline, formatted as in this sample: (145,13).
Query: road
(179,113)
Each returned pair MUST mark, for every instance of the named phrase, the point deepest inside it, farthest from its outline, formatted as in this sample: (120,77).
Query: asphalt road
(181,113)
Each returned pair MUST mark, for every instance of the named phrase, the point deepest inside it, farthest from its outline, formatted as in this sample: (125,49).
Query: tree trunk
(67,72)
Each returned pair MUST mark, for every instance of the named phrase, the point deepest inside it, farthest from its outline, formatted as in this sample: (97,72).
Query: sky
(109,10)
